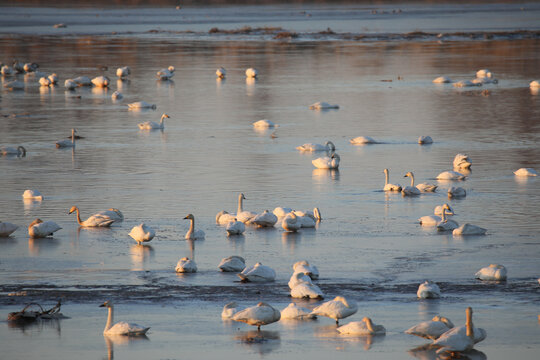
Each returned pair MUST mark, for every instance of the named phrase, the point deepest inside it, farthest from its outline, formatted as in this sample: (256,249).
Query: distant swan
(364,327)
(362,140)
(101,81)
(40,229)
(442,80)
(96,220)
(295,312)
(526,172)
(257,273)
(424,140)
(117,95)
(410,190)
(262,314)
(327,162)
(388,186)
(232,264)
(121,328)
(264,124)
(493,272)
(186,265)
(469,229)
(309,147)
(462,161)
(142,233)
(19,151)
(32,194)
(221,73)
(67,143)
(123,72)
(456,192)
(432,329)
(252,73)
(450,175)
(336,309)
(321,105)
(166,74)
(141,105)
(428,290)
(7,228)
(193,234)
(151,125)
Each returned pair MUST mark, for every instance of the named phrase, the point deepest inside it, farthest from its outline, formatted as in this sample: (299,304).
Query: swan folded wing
(124,328)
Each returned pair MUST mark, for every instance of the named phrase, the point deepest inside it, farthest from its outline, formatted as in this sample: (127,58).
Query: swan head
(106,304)
(330,145)
(165,116)
(21,150)
(386,171)
(242,196)
(190,217)
(73,209)
(35,222)
(171,68)
(409,174)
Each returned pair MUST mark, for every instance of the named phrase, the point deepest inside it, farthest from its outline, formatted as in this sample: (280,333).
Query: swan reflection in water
(429,352)
(262,342)
(324,174)
(31,204)
(140,256)
(37,245)
(291,240)
(121,340)
(342,341)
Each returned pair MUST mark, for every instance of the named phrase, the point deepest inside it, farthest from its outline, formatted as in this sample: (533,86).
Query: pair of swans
(413,190)
(462,338)
(19,151)
(67,143)
(142,233)
(433,220)
(304,267)
(309,147)
(152,125)
(122,327)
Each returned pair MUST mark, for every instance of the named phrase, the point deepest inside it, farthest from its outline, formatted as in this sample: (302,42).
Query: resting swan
(232,264)
(424,140)
(121,328)
(67,143)
(462,161)
(40,229)
(493,272)
(123,72)
(431,329)
(96,220)
(523,172)
(165,74)
(321,105)
(339,308)
(32,194)
(362,140)
(193,234)
(462,338)
(235,227)
(468,229)
(309,147)
(388,186)
(262,314)
(252,73)
(428,290)
(364,327)
(451,175)
(257,273)
(7,228)
(291,223)
(294,312)
(221,73)
(264,219)
(186,265)
(327,162)
(141,105)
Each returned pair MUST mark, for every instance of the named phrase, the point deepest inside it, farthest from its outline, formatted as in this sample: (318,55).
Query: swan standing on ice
(151,125)
(456,192)
(450,175)
(327,162)
(7,228)
(410,190)
(428,290)
(166,74)
(32,194)
(304,267)
(121,328)
(321,105)
(291,223)
(123,72)
(363,140)
(526,172)
(294,312)
(96,220)
(252,73)
(431,329)
(186,265)
(493,272)
(141,105)
(40,229)
(221,73)
(262,314)
(388,186)
(142,233)
(232,264)
(67,143)
(193,234)
(264,219)
(257,273)
(469,229)
(339,308)
(364,327)
(462,161)
(309,147)
(235,227)
(425,140)
(7,150)
(446,224)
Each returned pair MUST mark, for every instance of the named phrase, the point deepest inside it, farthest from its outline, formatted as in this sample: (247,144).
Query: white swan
(424,140)
(7,228)
(363,140)
(44,81)
(53,79)
(141,105)
(70,84)
(431,329)
(339,308)
(83,81)
(468,229)
(186,265)
(466,83)
(429,220)
(388,186)
(113,213)
(327,162)
(8,150)
(307,290)
(291,223)
(294,312)
(232,264)
(439,209)
(151,125)
(304,267)
(305,220)
(40,229)
(101,81)
(364,327)
(121,328)
(534,84)
(96,220)
(321,105)
(262,314)
(442,80)
(142,233)
(450,175)
(493,272)
(166,74)
(446,224)
(410,190)
(298,278)
(526,172)
(462,161)
(221,73)
(32,194)
(257,273)
(428,290)
(229,310)
(241,215)
(193,234)
(235,227)
(309,147)
(67,143)
(252,73)
(223,217)
(264,124)
(264,219)
(456,192)
(123,72)
(117,95)
(281,211)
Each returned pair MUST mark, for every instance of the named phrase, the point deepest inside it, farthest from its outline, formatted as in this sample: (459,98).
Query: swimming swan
(221,73)
(410,190)
(425,140)
(526,172)
(431,329)
(257,273)
(142,233)
(193,234)
(151,125)
(294,312)
(241,215)
(493,272)
(252,73)
(40,229)
(262,314)
(32,194)
(468,229)
(96,220)
(7,228)
(462,161)
(446,224)
(339,308)
(264,124)
(291,223)
(122,327)
(7,150)
(235,227)
(450,175)
(364,327)
(363,140)
(141,105)
(321,105)
(387,186)
(232,264)
(456,192)
(309,147)
(327,162)
(428,290)
(67,143)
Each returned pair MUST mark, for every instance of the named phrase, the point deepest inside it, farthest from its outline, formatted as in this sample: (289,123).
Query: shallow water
(368,246)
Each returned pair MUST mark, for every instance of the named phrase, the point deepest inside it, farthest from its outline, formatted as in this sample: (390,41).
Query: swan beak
(102,305)
(186,217)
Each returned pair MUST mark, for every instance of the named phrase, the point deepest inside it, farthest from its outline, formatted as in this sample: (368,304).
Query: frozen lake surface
(368,247)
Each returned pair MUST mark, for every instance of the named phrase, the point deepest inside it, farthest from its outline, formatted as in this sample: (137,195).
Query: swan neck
(162,119)
(73,137)
(469,324)
(386,177)
(240,208)
(108,325)
(412,180)
(369,324)
(192,225)
(79,218)
(443,215)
